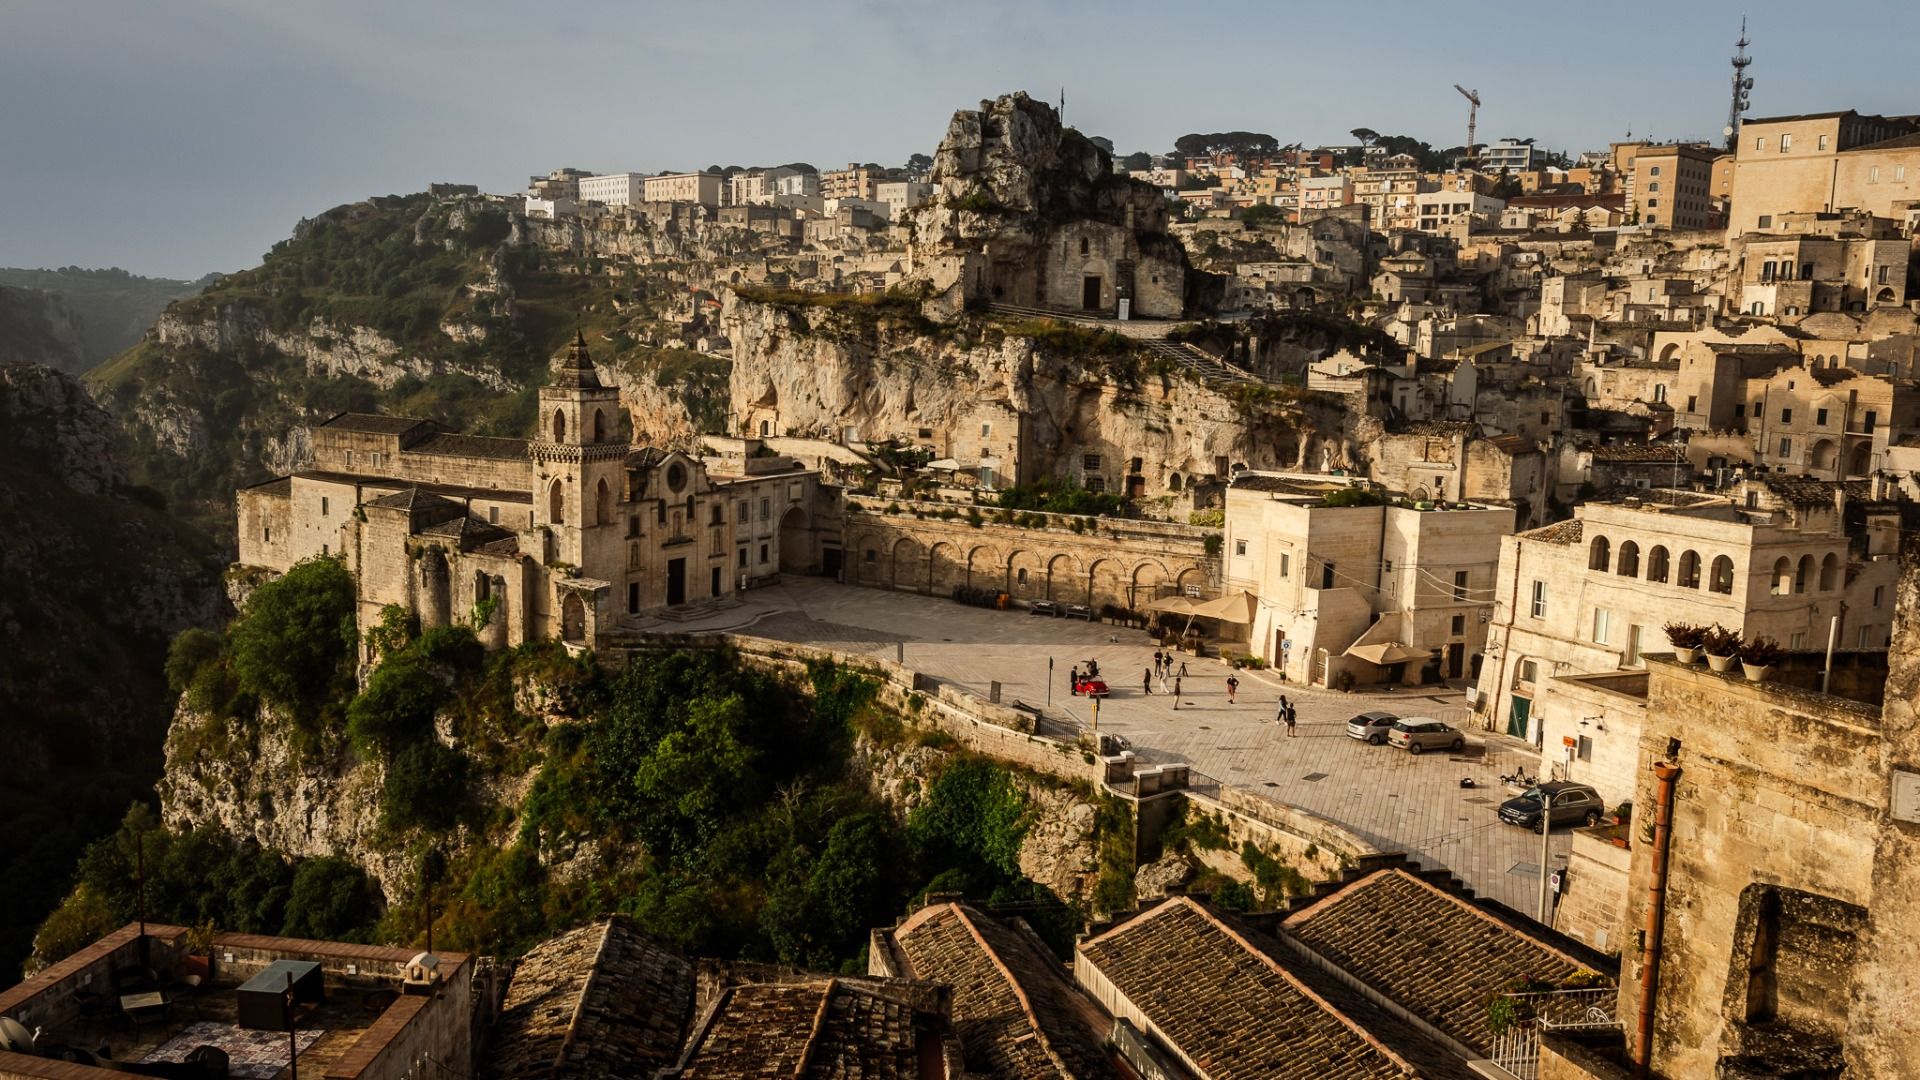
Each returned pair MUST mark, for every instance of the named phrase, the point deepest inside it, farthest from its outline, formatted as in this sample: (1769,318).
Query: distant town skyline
(180,139)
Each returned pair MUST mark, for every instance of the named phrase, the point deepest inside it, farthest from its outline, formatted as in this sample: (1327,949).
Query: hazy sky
(175,137)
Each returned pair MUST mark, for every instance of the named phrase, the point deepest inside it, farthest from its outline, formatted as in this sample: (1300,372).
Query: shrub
(1761,652)
(294,643)
(1683,635)
(425,786)
(1717,640)
(330,900)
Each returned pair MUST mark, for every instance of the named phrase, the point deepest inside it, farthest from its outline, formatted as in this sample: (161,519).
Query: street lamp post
(1546,835)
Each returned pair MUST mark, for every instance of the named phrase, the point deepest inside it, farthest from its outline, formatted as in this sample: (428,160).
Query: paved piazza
(1396,800)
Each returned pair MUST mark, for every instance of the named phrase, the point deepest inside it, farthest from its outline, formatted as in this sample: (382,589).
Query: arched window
(1688,575)
(1803,574)
(1657,564)
(1599,554)
(557,504)
(599,426)
(1782,582)
(1629,562)
(1720,578)
(1083,245)
(766,428)
(602,502)
(559,426)
(1829,573)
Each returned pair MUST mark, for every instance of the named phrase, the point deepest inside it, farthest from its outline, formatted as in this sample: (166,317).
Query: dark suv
(1572,803)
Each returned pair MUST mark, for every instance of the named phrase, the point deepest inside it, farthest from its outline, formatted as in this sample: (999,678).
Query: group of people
(1285,715)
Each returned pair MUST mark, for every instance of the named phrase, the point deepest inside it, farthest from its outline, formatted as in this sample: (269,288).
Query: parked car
(1571,803)
(1372,727)
(1422,733)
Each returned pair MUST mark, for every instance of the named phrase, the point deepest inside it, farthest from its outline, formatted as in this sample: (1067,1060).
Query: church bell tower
(577,454)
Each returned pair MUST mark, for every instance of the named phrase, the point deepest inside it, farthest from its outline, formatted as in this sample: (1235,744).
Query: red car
(1088,686)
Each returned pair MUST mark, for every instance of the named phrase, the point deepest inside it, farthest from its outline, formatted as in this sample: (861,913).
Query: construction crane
(1473,117)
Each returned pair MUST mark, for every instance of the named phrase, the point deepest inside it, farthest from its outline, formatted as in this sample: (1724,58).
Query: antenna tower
(1742,83)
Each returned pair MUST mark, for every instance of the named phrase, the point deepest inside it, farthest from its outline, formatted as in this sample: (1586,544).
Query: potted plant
(1722,647)
(1685,639)
(1758,656)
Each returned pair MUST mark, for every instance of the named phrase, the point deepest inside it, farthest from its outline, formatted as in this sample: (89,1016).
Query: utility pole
(1473,118)
(1546,835)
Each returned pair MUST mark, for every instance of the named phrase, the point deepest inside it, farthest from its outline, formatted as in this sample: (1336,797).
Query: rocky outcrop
(1152,881)
(52,417)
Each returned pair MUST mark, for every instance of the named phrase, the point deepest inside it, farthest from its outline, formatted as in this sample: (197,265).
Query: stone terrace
(1012,1007)
(599,999)
(1227,1008)
(1431,952)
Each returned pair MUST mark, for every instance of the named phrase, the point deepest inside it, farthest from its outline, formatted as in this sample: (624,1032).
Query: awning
(1235,608)
(1387,653)
(1173,605)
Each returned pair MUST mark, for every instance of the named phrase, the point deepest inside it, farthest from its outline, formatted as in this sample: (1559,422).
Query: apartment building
(852,182)
(558,184)
(899,196)
(1821,262)
(1822,162)
(1667,185)
(702,188)
(1830,422)
(613,189)
(1510,156)
(1322,193)
(1780,557)
(1436,209)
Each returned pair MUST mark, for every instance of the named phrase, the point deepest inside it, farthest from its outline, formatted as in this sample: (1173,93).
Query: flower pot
(1686,654)
(1720,664)
(1756,672)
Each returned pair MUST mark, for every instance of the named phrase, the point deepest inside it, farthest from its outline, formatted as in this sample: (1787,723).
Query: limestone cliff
(95,577)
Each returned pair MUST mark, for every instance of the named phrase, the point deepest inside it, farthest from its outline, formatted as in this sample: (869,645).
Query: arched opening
(559,426)
(1824,455)
(436,591)
(573,619)
(599,426)
(1829,573)
(1720,576)
(1173,482)
(1782,581)
(1063,580)
(1657,564)
(1671,350)
(1861,461)
(796,543)
(1599,554)
(1659,392)
(1803,573)
(1629,562)
(556,504)
(908,571)
(1688,575)
(1884,296)
(766,428)
(602,504)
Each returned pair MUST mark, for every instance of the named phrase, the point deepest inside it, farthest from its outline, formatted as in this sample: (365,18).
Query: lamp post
(1546,835)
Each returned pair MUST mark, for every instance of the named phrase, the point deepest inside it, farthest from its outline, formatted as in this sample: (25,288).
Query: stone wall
(1595,893)
(1318,848)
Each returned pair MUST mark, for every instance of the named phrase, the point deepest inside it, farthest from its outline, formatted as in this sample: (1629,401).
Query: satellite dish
(14,1036)
(1728,130)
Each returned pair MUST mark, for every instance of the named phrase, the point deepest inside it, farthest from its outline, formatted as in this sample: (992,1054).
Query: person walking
(1233,684)
(1291,720)
(1280,712)
(1183,669)
(1176,693)
(1146,682)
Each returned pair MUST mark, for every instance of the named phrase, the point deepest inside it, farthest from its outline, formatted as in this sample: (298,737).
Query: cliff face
(94,579)
(99,312)
(822,370)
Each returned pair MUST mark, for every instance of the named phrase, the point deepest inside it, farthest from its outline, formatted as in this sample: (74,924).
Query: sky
(178,137)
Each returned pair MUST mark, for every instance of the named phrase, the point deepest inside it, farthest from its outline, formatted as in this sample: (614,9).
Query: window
(1883,268)
(763,554)
(1821,144)
(1654,171)
(1459,626)
(1760,142)
(1286,563)
(1766,220)
(266,534)
(766,509)
(1633,643)
(743,558)
(1459,587)
(1797,641)
(1899,173)
(324,550)
(1083,245)
(323,506)
(1866,637)
(1655,186)
(986,430)
(1879,594)
(740,514)
(1786,142)
(1602,623)
(1786,415)
(1819,418)
(1740,411)
(1239,547)
(1873,175)
(1866,423)
(1326,575)
(869,557)
(493,515)
(1539,599)
(1585,750)
(1529,671)
(1096,483)
(1090,461)
(1786,447)
(1651,203)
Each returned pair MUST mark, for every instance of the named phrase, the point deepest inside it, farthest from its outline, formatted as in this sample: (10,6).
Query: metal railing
(1517,1049)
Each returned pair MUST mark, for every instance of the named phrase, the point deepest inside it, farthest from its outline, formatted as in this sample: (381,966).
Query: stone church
(566,535)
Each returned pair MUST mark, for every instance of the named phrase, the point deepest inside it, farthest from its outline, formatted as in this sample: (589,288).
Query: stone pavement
(1397,801)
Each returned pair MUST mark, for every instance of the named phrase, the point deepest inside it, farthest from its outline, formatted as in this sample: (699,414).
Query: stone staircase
(1210,368)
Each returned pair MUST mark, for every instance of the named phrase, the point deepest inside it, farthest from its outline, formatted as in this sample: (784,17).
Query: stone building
(1371,593)
(1821,163)
(559,536)
(1779,558)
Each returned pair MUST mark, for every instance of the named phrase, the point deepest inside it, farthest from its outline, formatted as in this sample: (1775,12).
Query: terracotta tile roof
(1012,1008)
(1660,453)
(1809,491)
(377,423)
(1560,532)
(413,498)
(451,444)
(1228,1008)
(1429,951)
(827,1029)
(279,488)
(599,1001)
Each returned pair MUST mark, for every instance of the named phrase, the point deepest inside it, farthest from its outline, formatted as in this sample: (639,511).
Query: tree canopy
(1234,142)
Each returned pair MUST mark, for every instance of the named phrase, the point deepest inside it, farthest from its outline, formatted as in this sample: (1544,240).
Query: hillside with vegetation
(406,304)
(104,311)
(730,808)
(94,579)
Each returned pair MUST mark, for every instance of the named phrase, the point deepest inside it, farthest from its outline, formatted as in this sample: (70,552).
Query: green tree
(330,900)
(1137,161)
(294,643)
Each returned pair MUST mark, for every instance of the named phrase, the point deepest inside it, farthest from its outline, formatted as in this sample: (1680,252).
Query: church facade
(560,536)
